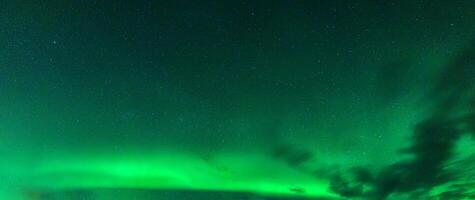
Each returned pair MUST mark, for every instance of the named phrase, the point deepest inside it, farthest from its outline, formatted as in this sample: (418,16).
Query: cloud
(292,156)
(432,143)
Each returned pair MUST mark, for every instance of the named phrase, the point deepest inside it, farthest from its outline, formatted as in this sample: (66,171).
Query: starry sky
(237,99)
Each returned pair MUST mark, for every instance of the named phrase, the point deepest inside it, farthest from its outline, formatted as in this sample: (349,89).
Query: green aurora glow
(249,100)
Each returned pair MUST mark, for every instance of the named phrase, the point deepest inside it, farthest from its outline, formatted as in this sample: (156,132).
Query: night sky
(234,100)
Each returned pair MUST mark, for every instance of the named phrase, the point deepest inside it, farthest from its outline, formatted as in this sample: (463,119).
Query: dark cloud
(346,188)
(432,143)
(291,155)
(299,190)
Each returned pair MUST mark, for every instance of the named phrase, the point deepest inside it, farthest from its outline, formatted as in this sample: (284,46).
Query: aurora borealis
(249,100)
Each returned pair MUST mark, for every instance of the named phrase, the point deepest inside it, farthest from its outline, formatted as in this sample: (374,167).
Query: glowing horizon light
(243,173)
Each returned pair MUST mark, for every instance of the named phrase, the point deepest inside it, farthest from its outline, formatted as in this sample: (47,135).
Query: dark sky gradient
(315,88)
